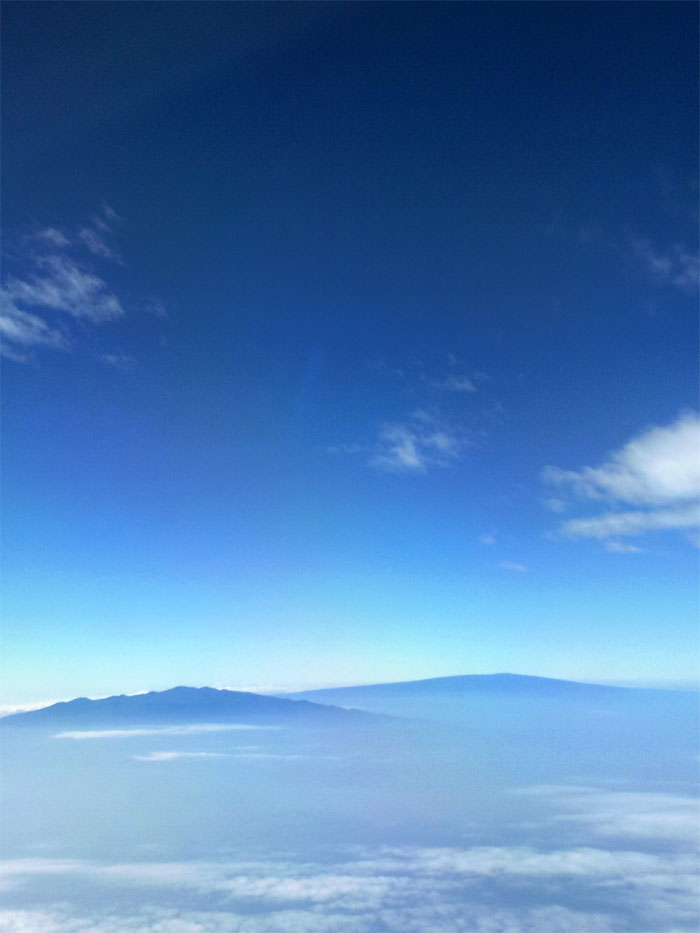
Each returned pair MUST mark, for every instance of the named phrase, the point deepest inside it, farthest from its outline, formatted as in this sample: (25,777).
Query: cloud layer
(486,889)
(637,870)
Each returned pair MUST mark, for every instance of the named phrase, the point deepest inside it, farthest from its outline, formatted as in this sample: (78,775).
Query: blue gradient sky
(302,301)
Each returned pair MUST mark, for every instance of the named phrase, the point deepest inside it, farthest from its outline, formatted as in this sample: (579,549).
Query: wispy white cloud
(487,539)
(245,752)
(59,285)
(454,383)
(345,449)
(97,243)
(512,565)
(8,709)
(156,307)
(676,266)
(658,471)
(632,523)
(52,235)
(174,756)
(97,236)
(21,330)
(554,504)
(418,444)
(120,361)
(619,547)
(433,435)
(156,730)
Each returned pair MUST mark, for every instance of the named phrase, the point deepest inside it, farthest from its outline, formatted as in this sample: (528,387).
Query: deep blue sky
(301,302)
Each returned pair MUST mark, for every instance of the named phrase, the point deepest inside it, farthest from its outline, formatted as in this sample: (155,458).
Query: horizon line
(10,709)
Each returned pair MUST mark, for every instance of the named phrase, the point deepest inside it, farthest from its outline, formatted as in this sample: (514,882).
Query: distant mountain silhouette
(457,699)
(494,684)
(474,699)
(180,705)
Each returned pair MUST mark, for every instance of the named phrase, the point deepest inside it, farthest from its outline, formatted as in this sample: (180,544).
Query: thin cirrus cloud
(97,244)
(431,436)
(175,756)
(59,287)
(61,284)
(81,735)
(246,751)
(676,266)
(120,361)
(52,235)
(454,383)
(512,565)
(21,329)
(417,444)
(420,443)
(97,235)
(620,547)
(651,484)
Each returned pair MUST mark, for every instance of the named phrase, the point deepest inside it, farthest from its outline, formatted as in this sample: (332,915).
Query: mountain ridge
(187,704)
(475,700)
(491,682)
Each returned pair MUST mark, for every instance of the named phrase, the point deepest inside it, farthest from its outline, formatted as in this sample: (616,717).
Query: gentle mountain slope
(481,697)
(181,705)
(489,684)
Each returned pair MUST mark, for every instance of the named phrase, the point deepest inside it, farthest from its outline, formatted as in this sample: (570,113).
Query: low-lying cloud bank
(485,889)
(633,869)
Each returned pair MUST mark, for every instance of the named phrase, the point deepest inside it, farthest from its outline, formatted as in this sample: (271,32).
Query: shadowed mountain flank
(182,705)
(479,684)
(486,699)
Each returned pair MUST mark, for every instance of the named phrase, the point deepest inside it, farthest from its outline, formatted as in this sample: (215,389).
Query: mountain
(462,683)
(482,698)
(471,684)
(181,705)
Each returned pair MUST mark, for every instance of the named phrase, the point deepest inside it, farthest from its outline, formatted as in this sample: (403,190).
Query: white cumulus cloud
(652,483)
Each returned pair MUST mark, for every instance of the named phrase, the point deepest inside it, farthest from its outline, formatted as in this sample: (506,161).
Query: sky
(348,343)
